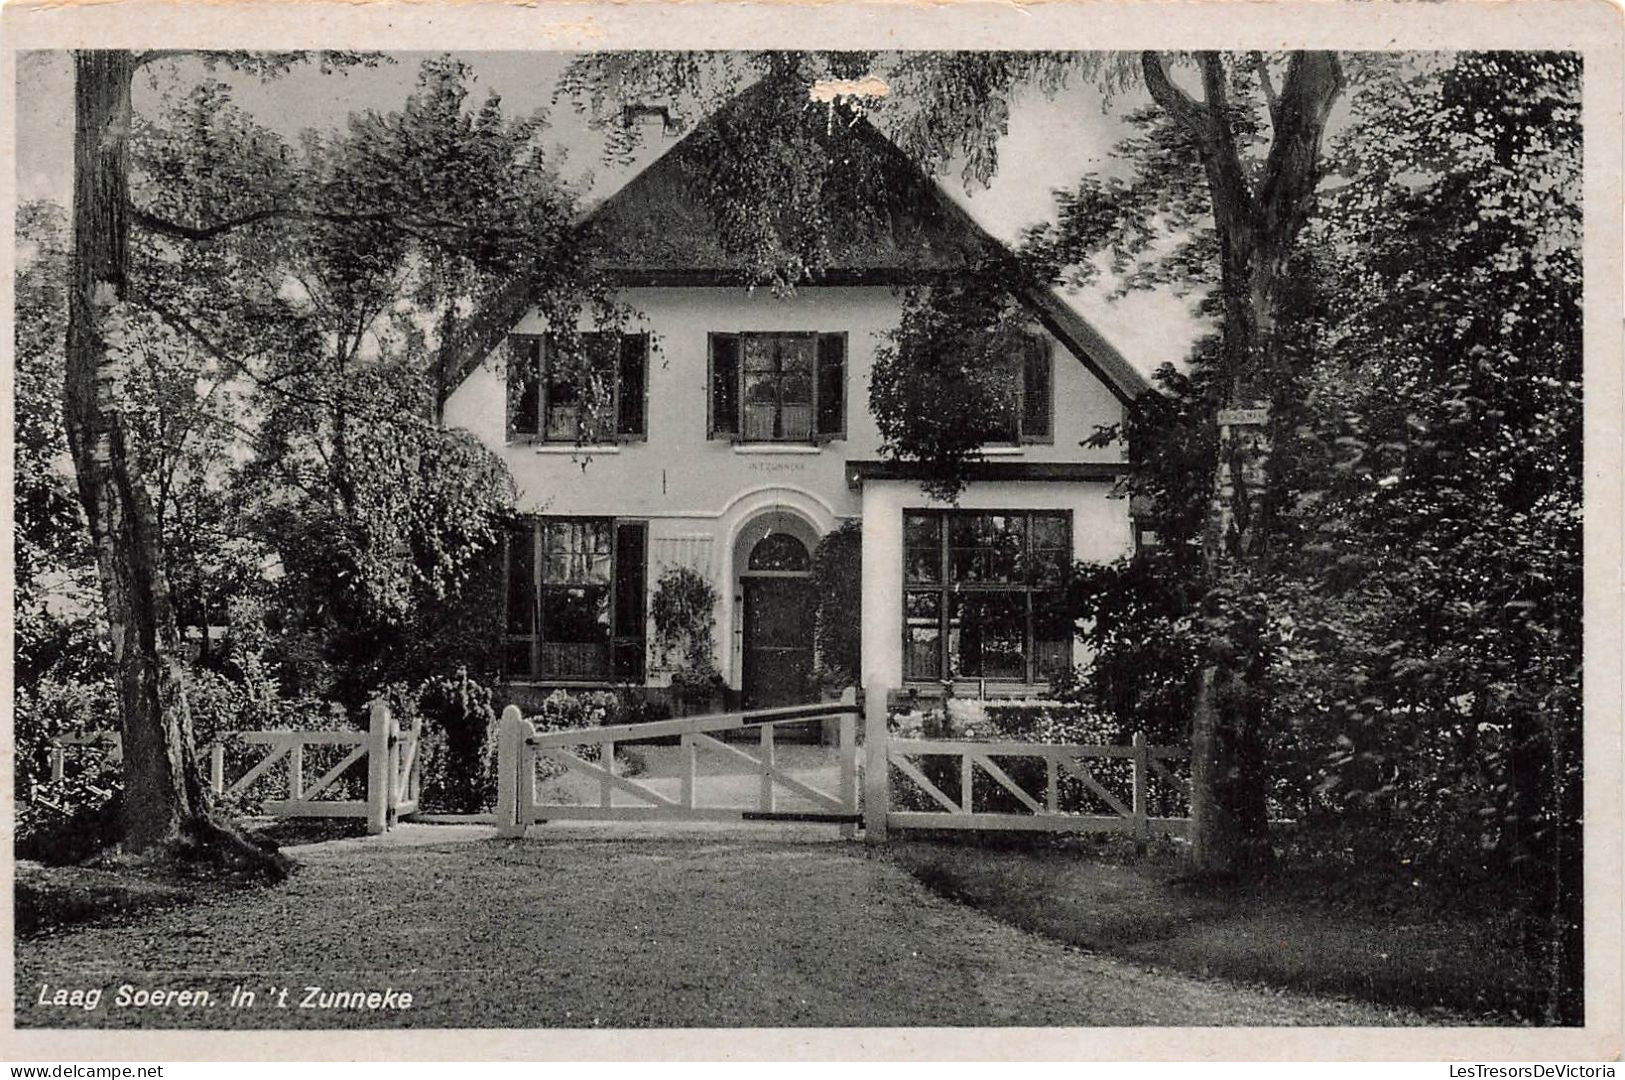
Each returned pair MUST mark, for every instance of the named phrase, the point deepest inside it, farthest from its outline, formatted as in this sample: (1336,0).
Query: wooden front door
(778,645)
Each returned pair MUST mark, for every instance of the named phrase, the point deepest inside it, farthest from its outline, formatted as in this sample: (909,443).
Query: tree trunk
(1257,224)
(164,799)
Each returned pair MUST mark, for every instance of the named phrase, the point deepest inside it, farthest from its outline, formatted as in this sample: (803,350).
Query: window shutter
(631,601)
(631,421)
(524,384)
(723,411)
(1037,396)
(831,386)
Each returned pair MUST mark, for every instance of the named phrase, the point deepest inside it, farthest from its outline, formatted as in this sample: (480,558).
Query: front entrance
(779,613)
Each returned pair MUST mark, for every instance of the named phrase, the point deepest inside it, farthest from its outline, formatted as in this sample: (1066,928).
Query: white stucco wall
(1101,532)
(698,494)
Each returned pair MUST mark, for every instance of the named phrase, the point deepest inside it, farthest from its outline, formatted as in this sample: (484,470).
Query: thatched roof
(884,221)
(883,216)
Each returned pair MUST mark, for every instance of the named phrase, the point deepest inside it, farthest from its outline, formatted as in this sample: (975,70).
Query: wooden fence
(394,772)
(1128,811)
(520,748)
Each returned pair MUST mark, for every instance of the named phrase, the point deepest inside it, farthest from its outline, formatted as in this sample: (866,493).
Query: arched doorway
(777,647)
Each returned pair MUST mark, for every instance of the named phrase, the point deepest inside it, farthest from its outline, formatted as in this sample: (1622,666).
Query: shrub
(1026,721)
(838,591)
(64,820)
(457,747)
(684,610)
(564,710)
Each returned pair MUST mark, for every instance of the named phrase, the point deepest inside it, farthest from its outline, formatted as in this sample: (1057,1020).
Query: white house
(743,436)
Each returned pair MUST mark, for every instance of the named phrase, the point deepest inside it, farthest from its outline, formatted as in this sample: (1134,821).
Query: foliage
(684,609)
(55,818)
(569,710)
(1450,510)
(358,263)
(49,535)
(941,388)
(563,710)
(1416,618)
(458,747)
(837,574)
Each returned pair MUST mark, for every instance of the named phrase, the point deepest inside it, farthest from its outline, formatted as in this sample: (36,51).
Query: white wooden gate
(521,747)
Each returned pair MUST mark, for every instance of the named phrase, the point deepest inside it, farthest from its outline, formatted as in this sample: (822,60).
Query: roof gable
(884,221)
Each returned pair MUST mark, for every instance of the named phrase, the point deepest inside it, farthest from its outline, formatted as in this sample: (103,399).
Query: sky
(1050,143)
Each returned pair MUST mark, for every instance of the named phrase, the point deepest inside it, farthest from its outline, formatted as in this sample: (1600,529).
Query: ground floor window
(981,596)
(575,600)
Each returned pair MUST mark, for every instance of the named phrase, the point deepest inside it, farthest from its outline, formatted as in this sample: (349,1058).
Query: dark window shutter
(832,386)
(631,601)
(524,384)
(631,419)
(1037,391)
(724,395)
(519,619)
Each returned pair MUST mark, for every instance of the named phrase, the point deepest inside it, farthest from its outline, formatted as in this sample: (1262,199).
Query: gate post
(876,767)
(848,749)
(512,733)
(379,780)
(1142,788)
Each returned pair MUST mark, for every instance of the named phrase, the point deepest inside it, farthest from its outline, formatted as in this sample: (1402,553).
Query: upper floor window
(600,400)
(777,387)
(1031,417)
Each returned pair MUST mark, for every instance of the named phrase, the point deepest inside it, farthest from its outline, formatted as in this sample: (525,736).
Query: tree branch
(152,55)
(1174,101)
(1225,158)
(1313,81)
(153,223)
(1268,84)
(176,321)
(1210,127)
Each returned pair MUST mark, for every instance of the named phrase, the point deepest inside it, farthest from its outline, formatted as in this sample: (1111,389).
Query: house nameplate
(1243,417)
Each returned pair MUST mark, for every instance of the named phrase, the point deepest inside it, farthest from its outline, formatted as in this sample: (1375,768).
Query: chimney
(655,121)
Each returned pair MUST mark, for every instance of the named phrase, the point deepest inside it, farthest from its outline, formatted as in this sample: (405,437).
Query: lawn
(589,926)
(1107,900)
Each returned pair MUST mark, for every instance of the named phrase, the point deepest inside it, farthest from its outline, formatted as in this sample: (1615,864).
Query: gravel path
(582,927)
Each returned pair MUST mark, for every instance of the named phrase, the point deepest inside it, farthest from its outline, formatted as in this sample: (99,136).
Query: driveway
(584,926)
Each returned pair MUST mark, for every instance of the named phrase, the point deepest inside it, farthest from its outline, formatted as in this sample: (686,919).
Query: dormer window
(604,402)
(777,387)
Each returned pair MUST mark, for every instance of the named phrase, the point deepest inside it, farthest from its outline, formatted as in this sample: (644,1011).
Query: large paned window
(576,604)
(777,387)
(981,596)
(607,400)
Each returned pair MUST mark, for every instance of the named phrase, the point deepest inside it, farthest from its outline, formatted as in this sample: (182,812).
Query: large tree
(165,799)
(1258,214)
(425,183)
